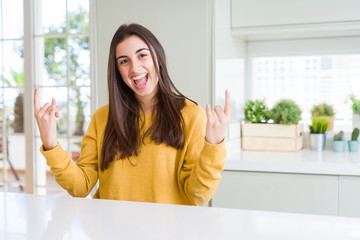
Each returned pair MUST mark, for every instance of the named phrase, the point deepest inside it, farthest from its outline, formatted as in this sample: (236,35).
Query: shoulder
(104,110)
(101,114)
(193,112)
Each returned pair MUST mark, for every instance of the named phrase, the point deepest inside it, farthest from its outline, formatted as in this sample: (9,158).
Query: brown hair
(122,133)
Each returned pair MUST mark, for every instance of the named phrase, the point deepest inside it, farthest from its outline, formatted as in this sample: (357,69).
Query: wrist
(214,142)
(48,147)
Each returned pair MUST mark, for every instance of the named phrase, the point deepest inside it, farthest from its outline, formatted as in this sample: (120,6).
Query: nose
(135,66)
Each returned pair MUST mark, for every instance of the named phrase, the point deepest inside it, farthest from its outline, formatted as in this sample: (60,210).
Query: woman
(150,143)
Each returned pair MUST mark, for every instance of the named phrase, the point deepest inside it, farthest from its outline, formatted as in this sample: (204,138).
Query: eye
(142,55)
(123,61)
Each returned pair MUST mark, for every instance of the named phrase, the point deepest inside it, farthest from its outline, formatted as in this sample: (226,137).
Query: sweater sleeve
(200,173)
(80,177)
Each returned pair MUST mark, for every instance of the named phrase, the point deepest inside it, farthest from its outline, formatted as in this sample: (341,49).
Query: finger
(43,110)
(57,113)
(36,100)
(227,108)
(209,113)
(215,118)
(51,110)
(220,113)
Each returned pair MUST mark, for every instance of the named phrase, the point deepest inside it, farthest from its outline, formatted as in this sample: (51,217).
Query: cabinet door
(349,196)
(264,13)
(296,193)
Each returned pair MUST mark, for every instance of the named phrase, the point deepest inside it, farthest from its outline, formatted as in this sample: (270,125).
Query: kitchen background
(307,51)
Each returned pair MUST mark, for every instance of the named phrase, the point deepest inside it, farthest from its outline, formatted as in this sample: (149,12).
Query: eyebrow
(139,50)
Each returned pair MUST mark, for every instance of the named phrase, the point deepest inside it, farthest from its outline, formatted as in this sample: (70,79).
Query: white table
(30,217)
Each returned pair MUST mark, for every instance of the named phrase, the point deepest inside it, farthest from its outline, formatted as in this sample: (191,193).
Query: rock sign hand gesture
(46,119)
(217,121)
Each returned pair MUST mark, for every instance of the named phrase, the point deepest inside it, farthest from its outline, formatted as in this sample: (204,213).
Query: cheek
(122,72)
(153,72)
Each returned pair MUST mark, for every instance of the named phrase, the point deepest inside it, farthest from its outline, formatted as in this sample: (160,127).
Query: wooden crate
(271,137)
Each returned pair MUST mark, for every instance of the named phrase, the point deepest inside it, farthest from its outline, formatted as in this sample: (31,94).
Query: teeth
(140,76)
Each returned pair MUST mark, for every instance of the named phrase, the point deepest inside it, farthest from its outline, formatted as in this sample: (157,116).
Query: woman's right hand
(46,119)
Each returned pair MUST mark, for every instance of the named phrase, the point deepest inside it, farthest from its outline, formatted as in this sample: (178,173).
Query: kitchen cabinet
(306,181)
(296,193)
(259,16)
(349,196)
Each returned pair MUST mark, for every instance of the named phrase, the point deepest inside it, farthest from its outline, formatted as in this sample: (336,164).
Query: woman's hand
(217,121)
(46,119)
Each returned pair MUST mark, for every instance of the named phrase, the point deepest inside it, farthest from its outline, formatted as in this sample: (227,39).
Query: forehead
(129,46)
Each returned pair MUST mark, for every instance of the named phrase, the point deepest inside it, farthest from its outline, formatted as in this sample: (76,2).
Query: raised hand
(217,121)
(46,119)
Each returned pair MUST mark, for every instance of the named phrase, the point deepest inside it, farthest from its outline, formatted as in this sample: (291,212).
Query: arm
(203,163)
(78,179)
(205,155)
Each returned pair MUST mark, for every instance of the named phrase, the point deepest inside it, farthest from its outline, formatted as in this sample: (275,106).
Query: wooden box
(271,137)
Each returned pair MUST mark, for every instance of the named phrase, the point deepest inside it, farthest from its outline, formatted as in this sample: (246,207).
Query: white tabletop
(24,216)
(304,161)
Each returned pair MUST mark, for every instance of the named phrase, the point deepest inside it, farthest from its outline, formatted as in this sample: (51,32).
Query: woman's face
(136,67)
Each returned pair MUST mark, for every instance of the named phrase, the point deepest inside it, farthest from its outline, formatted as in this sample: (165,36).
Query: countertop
(304,161)
(24,216)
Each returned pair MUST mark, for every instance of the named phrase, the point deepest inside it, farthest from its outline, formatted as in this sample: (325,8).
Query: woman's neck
(147,102)
(147,105)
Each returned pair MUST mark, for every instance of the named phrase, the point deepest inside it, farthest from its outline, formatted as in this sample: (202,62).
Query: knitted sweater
(159,174)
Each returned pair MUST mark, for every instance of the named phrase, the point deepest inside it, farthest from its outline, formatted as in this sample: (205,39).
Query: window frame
(30,67)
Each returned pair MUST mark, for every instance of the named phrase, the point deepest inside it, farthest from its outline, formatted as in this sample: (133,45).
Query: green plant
(355,104)
(319,125)
(77,144)
(355,134)
(286,111)
(16,79)
(256,111)
(322,110)
(339,136)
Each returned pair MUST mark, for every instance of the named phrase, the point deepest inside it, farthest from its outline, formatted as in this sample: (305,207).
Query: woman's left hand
(217,121)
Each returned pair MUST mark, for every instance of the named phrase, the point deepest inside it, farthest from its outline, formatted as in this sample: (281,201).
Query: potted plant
(354,143)
(256,111)
(356,111)
(339,142)
(317,134)
(283,134)
(325,111)
(286,112)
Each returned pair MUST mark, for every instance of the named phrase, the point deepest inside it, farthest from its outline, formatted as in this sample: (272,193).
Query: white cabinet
(262,15)
(296,193)
(349,197)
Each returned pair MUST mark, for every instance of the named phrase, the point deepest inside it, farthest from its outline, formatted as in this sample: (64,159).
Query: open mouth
(140,81)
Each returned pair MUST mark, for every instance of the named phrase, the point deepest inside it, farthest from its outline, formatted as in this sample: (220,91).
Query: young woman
(150,143)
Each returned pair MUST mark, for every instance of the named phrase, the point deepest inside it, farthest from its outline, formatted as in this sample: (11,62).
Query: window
(60,67)
(12,161)
(309,75)
(62,70)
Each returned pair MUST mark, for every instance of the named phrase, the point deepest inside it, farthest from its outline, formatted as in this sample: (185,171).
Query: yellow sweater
(161,174)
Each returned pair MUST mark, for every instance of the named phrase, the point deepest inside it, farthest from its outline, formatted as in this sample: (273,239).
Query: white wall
(230,58)
(226,45)
(184,28)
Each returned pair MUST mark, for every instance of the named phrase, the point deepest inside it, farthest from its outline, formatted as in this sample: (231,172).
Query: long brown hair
(122,134)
